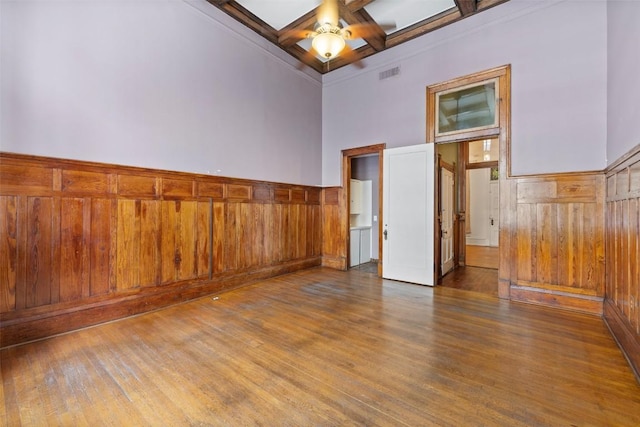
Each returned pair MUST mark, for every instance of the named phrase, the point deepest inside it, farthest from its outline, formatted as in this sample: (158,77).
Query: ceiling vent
(389,73)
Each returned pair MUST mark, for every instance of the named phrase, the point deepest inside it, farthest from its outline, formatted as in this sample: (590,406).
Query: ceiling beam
(466,7)
(376,36)
(290,35)
(423,27)
(247,18)
(356,5)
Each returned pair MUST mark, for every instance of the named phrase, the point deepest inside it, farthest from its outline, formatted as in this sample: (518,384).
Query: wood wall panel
(622,305)
(8,252)
(73,253)
(42,243)
(334,228)
(128,245)
(557,241)
(100,250)
(84,182)
(148,260)
(219,237)
(82,242)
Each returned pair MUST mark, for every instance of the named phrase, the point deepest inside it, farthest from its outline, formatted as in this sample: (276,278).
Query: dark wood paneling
(42,243)
(100,249)
(77,236)
(73,252)
(334,229)
(622,308)
(8,252)
(556,241)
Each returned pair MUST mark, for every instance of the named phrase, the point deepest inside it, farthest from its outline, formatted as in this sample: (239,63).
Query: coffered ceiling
(388,22)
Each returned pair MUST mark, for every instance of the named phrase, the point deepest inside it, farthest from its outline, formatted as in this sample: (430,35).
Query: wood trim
(81,236)
(483,165)
(564,300)
(503,131)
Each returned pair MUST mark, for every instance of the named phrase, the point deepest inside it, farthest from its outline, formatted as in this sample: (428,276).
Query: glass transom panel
(470,107)
(484,150)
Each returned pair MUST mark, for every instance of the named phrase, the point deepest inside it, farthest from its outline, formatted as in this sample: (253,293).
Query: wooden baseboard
(575,302)
(624,335)
(30,325)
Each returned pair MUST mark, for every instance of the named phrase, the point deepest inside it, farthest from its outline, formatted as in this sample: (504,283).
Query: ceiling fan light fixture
(328,43)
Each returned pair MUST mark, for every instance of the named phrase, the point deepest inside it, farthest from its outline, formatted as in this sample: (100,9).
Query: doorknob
(385,234)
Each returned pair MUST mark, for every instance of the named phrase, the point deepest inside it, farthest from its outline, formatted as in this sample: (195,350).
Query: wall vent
(389,73)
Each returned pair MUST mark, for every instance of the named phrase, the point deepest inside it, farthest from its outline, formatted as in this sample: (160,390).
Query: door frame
(502,131)
(347,155)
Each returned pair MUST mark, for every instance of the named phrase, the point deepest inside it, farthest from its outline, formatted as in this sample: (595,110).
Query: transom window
(471,107)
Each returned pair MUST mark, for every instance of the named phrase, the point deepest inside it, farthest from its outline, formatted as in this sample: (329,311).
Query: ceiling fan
(328,38)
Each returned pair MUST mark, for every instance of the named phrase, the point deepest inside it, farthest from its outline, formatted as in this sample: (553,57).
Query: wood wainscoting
(82,243)
(553,249)
(622,304)
(334,228)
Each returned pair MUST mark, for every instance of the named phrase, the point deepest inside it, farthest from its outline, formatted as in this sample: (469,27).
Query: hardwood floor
(324,347)
(483,280)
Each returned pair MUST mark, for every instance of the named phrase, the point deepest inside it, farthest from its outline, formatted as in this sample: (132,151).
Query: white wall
(160,84)
(479,211)
(557,50)
(623,69)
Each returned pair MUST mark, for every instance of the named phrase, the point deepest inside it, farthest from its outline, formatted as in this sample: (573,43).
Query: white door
(446,220)
(407,209)
(494,224)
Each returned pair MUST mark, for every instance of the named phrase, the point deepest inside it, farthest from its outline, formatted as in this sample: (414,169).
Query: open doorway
(482,193)
(362,175)
(363,212)
(470,116)
(469,214)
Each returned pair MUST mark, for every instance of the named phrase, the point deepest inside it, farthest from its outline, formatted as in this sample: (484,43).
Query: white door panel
(446,215)
(408,204)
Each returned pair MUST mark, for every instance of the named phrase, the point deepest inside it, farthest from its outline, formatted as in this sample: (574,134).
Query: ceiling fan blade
(360,31)
(328,13)
(351,56)
(295,35)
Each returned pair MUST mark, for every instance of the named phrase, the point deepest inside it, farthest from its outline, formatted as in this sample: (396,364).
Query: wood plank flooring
(326,348)
(483,280)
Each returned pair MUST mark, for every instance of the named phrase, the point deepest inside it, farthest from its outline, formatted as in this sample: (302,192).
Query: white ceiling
(279,13)
(404,13)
